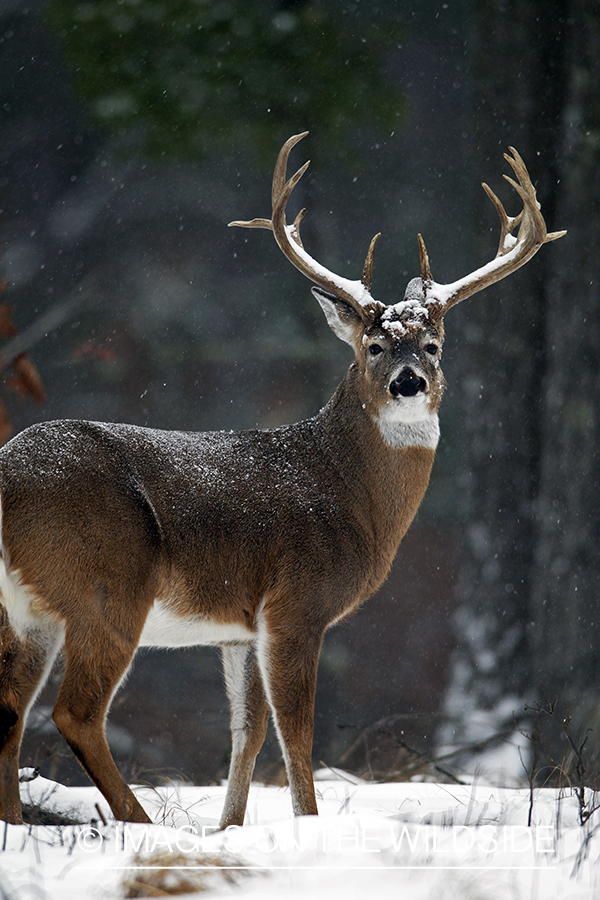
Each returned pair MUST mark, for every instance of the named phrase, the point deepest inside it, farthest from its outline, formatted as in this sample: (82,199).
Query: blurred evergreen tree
(187,76)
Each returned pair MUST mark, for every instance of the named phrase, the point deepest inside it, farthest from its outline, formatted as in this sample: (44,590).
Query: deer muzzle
(407,384)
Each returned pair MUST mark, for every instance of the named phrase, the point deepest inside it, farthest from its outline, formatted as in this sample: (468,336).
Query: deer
(116,536)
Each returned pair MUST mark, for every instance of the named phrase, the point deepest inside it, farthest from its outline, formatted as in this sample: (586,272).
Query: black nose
(407,384)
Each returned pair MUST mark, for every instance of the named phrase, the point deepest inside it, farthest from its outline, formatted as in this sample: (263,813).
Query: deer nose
(407,384)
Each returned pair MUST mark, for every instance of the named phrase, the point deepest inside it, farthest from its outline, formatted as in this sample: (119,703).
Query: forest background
(132,132)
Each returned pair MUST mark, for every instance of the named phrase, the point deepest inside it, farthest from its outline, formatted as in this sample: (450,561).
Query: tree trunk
(518,67)
(564,629)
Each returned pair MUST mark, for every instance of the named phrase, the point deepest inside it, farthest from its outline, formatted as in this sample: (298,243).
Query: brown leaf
(91,350)
(6,429)
(7,326)
(26,379)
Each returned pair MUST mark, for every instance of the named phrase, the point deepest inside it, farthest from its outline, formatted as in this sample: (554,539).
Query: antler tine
(426,276)
(507,223)
(513,251)
(355,293)
(367,275)
(296,227)
(528,194)
(278,186)
(280,169)
(281,199)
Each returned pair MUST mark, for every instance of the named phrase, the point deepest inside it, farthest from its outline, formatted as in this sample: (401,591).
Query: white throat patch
(407,427)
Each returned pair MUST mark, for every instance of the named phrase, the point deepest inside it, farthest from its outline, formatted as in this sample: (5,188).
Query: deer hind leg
(249,720)
(288,657)
(25,664)
(97,660)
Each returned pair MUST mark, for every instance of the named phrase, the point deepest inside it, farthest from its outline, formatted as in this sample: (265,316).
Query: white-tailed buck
(116,536)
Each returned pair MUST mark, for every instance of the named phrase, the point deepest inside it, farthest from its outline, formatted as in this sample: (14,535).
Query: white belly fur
(164,628)
(19,603)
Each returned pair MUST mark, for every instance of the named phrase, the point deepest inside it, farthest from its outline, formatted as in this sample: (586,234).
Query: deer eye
(374,349)
(431,348)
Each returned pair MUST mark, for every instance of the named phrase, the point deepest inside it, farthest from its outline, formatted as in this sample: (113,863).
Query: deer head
(398,347)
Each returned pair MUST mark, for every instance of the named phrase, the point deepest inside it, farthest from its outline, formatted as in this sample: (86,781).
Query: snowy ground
(400,840)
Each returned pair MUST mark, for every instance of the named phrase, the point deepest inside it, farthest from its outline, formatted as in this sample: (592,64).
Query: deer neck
(385,464)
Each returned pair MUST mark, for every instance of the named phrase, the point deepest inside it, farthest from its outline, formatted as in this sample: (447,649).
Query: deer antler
(513,251)
(355,293)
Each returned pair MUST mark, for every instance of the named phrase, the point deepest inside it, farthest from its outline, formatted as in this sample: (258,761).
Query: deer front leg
(249,720)
(288,656)
(24,666)
(94,669)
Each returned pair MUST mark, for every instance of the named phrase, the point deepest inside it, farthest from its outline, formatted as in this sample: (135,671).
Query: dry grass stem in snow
(170,874)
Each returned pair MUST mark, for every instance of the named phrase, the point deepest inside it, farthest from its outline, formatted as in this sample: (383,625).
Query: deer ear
(341,318)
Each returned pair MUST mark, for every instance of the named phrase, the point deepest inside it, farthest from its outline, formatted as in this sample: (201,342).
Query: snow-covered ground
(400,840)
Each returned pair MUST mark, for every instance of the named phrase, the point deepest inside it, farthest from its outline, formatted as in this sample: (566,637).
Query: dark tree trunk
(564,630)
(519,84)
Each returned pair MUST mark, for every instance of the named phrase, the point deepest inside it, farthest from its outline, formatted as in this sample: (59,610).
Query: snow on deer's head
(397,351)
